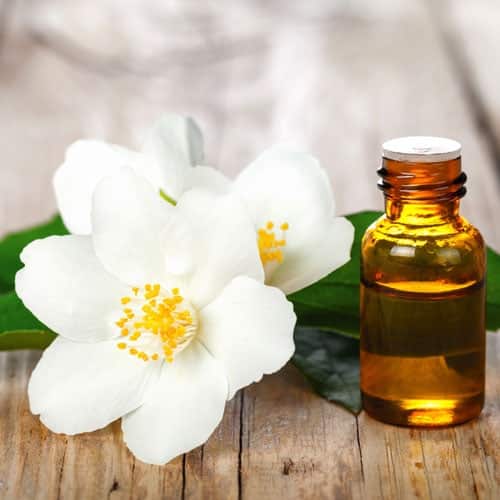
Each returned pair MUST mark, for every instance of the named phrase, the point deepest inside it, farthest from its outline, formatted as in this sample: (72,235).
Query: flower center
(156,323)
(270,246)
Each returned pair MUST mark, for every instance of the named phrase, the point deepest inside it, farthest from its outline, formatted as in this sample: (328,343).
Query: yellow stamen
(270,247)
(158,314)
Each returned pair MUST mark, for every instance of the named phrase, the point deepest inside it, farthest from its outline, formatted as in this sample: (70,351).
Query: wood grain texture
(296,445)
(335,77)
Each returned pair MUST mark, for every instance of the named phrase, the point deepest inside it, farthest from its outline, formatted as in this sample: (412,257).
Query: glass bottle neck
(421,214)
(422,194)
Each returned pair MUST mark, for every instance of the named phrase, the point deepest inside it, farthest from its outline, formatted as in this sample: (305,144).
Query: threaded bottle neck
(407,182)
(422,193)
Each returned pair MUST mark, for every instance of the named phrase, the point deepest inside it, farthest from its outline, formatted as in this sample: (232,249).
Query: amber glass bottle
(422,292)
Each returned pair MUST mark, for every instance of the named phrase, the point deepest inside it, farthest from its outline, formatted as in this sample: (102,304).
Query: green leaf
(19,329)
(331,363)
(12,244)
(25,339)
(493,291)
(333,302)
(340,313)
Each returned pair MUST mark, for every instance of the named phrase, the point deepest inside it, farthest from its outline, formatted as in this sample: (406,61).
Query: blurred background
(335,77)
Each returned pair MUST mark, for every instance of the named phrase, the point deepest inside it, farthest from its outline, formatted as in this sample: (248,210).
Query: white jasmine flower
(162,317)
(290,199)
(173,146)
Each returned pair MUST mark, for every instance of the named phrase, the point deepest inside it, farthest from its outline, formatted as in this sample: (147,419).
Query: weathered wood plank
(213,469)
(321,461)
(297,445)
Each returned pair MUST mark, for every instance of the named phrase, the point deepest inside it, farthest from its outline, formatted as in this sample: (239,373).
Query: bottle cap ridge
(421,149)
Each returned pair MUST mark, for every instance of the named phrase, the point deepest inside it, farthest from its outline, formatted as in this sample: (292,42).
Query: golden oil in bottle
(422,292)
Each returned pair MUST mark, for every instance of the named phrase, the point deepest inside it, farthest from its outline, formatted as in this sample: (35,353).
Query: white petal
(182,410)
(305,265)
(208,178)
(85,164)
(174,145)
(225,243)
(179,247)
(283,185)
(83,387)
(249,328)
(128,220)
(65,286)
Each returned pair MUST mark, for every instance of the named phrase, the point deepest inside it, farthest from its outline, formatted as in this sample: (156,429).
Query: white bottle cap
(421,149)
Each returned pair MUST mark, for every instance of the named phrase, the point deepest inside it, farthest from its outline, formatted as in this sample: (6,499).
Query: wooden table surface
(337,77)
